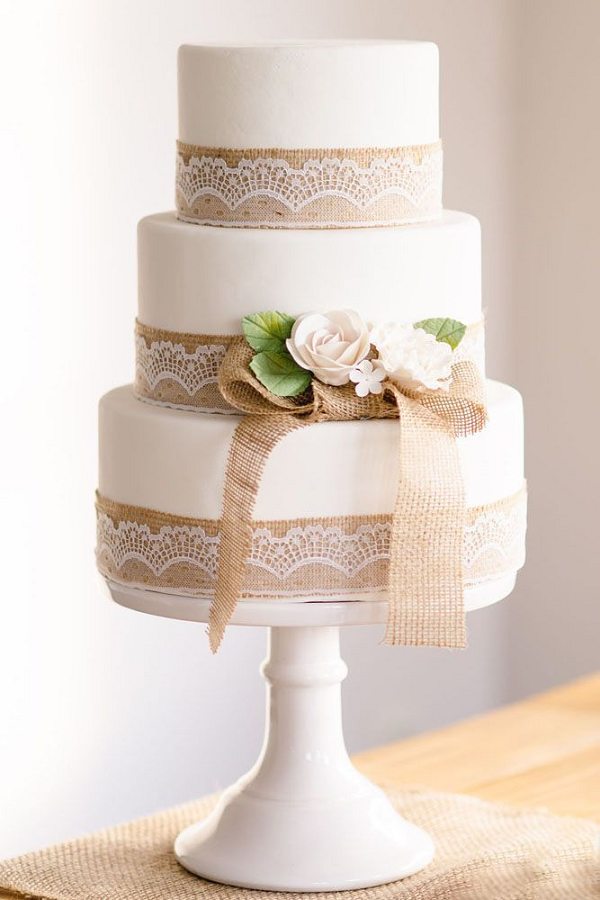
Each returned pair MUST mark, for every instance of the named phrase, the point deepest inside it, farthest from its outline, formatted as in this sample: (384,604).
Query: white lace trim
(134,541)
(296,188)
(496,536)
(329,546)
(494,544)
(170,361)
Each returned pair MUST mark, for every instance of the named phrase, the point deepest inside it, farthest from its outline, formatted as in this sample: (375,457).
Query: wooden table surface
(544,751)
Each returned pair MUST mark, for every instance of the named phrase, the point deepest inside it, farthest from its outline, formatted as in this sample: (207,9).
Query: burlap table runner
(484,852)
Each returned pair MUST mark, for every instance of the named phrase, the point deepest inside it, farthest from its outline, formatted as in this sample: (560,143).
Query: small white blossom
(412,357)
(367,377)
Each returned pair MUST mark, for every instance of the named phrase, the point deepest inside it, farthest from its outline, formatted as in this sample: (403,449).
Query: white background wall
(106,714)
(555,622)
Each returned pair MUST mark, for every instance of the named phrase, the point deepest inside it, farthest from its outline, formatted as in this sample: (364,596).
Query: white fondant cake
(310,419)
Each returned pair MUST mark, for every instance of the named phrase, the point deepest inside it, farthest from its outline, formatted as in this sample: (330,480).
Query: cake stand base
(303,819)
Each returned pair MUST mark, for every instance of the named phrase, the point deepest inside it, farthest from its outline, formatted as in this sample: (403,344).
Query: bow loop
(461,407)
(245,393)
(341,404)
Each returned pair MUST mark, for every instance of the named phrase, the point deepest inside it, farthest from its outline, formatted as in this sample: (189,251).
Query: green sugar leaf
(277,371)
(267,331)
(448,330)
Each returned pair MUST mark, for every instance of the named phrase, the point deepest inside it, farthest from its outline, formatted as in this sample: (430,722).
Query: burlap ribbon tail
(425,590)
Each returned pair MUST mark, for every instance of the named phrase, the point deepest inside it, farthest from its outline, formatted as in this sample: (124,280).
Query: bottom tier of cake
(322,522)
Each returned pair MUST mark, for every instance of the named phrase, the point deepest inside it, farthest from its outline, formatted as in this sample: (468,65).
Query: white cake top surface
(309,94)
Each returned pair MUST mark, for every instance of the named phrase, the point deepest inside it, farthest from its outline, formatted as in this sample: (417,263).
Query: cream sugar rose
(329,345)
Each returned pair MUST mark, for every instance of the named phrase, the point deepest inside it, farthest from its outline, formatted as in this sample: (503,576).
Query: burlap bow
(425,587)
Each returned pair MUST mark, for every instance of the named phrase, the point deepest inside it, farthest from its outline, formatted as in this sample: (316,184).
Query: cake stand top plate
(359,611)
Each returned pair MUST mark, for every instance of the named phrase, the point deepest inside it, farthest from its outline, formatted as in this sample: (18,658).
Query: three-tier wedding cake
(310,418)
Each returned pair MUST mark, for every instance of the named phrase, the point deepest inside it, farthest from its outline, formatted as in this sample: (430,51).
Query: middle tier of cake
(204,280)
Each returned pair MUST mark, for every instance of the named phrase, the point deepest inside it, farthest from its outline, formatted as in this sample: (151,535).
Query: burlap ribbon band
(181,369)
(293,559)
(425,590)
(309,188)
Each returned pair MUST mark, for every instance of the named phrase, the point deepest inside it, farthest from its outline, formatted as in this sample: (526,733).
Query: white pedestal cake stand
(303,818)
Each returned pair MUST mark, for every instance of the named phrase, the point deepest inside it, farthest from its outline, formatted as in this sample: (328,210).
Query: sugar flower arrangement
(339,347)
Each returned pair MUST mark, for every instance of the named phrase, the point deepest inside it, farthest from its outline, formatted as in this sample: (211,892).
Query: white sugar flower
(329,344)
(367,377)
(412,357)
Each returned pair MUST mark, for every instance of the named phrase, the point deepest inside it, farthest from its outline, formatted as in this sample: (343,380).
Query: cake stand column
(303,818)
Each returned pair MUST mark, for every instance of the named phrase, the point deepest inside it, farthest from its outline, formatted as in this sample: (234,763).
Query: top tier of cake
(339,94)
(309,134)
